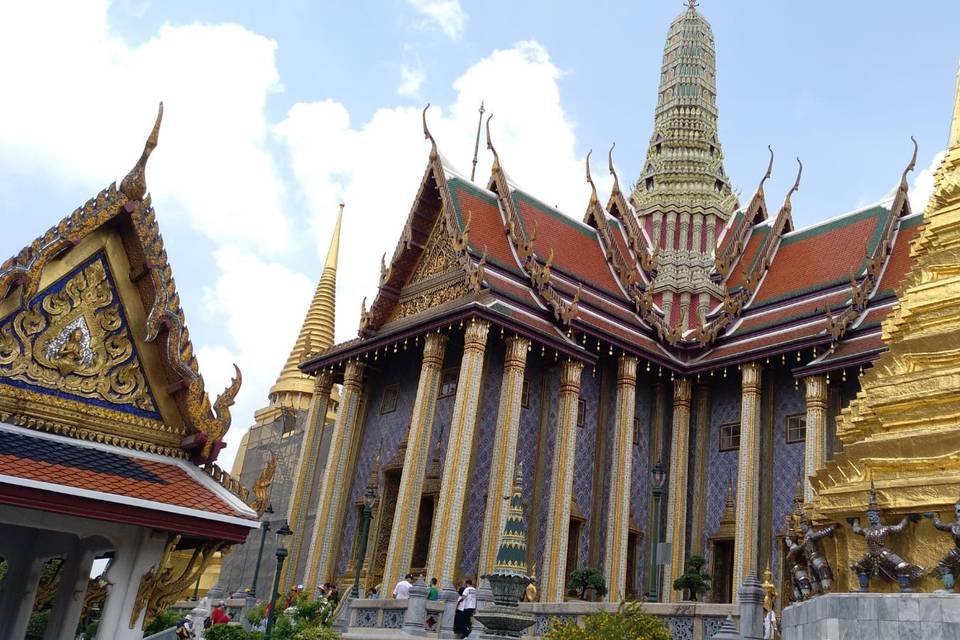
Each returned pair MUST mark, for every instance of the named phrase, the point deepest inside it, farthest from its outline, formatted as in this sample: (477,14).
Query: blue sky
(276,111)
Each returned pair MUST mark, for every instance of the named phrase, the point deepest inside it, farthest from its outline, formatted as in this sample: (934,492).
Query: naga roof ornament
(134,184)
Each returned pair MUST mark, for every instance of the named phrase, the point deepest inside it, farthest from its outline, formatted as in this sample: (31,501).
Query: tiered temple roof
(677,274)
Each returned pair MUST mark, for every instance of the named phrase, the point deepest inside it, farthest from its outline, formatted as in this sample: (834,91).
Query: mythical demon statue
(950,563)
(809,570)
(879,560)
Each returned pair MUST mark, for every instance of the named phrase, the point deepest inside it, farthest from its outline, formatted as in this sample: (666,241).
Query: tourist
(402,590)
(333,594)
(466,607)
(434,593)
(184,629)
(373,594)
(219,615)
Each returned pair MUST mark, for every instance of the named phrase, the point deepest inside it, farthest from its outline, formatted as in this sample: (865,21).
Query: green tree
(163,621)
(627,623)
(693,582)
(583,579)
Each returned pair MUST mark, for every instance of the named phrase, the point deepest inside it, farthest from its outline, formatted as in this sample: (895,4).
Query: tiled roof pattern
(821,256)
(80,467)
(763,340)
(486,226)
(778,315)
(899,261)
(848,349)
(575,247)
(749,257)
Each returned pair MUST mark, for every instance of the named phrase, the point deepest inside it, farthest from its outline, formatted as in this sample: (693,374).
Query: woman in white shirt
(466,607)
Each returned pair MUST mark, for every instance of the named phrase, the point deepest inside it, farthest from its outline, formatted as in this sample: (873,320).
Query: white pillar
(20,589)
(68,602)
(132,559)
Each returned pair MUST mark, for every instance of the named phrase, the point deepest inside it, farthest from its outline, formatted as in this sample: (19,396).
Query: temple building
(285,436)
(666,365)
(108,438)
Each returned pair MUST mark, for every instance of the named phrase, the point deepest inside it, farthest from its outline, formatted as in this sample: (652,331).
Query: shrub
(583,579)
(629,623)
(37,624)
(230,632)
(163,621)
(693,581)
(316,633)
(256,614)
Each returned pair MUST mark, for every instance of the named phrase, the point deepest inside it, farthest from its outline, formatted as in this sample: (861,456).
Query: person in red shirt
(218,615)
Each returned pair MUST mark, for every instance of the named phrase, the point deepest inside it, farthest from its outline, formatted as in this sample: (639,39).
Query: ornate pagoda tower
(901,432)
(287,429)
(683,196)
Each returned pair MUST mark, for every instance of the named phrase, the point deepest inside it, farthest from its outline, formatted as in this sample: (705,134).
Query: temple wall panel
(691,470)
(585,460)
(721,465)
(609,415)
(640,470)
(549,394)
(483,450)
(527,448)
(787,458)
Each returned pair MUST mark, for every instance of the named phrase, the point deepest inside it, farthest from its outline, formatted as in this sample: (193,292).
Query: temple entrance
(573,545)
(421,540)
(633,543)
(722,571)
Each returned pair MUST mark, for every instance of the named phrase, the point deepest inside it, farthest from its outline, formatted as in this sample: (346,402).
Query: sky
(275,112)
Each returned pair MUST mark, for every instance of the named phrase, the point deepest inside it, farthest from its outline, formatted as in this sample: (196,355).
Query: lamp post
(369,498)
(282,534)
(658,476)
(264,528)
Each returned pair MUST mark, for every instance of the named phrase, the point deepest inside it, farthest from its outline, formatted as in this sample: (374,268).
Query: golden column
(748,477)
(337,476)
(306,476)
(554,571)
(618,509)
(448,518)
(677,491)
(700,457)
(504,451)
(815,445)
(407,510)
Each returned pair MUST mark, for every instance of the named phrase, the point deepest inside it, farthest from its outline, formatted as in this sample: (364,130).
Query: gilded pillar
(554,576)
(504,451)
(305,479)
(748,477)
(677,491)
(701,453)
(448,518)
(814,455)
(337,476)
(618,510)
(416,457)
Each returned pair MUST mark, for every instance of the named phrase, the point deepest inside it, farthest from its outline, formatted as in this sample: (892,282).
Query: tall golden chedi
(902,431)
(289,427)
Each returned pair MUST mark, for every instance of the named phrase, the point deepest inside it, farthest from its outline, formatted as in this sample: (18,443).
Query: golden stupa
(902,431)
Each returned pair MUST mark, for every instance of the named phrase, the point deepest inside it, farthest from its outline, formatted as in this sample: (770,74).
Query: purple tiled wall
(787,458)
(721,465)
(585,459)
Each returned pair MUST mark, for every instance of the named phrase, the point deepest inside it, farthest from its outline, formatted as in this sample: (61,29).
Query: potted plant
(582,580)
(693,582)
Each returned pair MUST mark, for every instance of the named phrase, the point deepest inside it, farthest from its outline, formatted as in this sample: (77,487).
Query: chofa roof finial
(496,156)
(593,188)
(795,187)
(428,135)
(134,184)
(613,172)
(913,163)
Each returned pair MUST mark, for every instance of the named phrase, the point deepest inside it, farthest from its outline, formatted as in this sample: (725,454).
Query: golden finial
(476,145)
(910,167)
(796,187)
(593,188)
(692,4)
(496,156)
(134,184)
(769,172)
(613,172)
(428,135)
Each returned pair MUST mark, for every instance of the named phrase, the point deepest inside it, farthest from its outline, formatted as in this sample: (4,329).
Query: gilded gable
(72,341)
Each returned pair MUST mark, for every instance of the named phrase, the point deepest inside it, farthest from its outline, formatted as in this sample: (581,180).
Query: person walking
(466,607)
(402,590)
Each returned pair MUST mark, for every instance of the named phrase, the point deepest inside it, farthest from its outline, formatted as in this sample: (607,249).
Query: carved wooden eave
(537,270)
(118,231)
(407,285)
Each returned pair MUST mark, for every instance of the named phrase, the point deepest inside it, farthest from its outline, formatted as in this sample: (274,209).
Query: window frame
(720,437)
(446,375)
(581,413)
(393,389)
(525,394)
(786,428)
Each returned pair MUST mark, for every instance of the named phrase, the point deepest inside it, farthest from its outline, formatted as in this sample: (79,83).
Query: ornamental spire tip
(134,184)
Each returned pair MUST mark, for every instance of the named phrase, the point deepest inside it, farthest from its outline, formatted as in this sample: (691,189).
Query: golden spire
(955,126)
(294,388)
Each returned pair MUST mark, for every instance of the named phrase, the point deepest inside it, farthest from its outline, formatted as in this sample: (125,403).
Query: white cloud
(411,79)
(262,328)
(922,187)
(376,167)
(446,14)
(84,105)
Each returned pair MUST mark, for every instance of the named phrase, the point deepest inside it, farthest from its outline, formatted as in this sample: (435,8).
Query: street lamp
(264,528)
(658,476)
(369,498)
(282,533)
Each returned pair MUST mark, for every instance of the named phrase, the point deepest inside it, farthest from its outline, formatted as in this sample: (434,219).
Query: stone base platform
(874,616)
